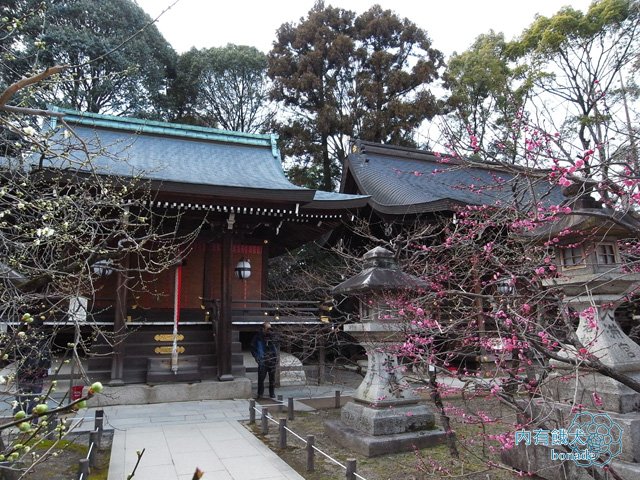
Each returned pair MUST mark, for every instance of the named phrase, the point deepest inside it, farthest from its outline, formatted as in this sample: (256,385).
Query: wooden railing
(243,312)
(255,312)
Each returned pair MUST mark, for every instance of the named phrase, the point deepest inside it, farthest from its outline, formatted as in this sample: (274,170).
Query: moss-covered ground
(478,450)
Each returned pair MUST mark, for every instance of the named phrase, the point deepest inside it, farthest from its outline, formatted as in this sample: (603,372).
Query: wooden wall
(155,292)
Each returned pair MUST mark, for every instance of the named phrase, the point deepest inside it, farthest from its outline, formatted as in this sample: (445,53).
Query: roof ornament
(275,151)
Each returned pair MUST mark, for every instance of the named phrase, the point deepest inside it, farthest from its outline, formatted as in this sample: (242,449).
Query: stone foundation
(387,421)
(565,387)
(375,445)
(377,431)
(140,394)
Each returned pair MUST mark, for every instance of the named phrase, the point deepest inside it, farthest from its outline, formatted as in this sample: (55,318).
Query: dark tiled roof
(171,154)
(403,181)
(185,160)
(195,159)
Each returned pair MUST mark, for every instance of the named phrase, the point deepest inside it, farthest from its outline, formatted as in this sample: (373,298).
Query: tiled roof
(198,159)
(334,200)
(179,153)
(402,181)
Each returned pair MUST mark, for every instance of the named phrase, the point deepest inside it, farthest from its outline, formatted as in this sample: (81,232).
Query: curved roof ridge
(139,125)
(365,147)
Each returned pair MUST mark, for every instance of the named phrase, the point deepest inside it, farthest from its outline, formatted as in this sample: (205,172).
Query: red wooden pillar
(223,345)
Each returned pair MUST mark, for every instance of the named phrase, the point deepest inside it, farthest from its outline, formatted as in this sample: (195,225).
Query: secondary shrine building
(232,181)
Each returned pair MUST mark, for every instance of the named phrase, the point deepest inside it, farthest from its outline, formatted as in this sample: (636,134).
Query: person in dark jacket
(33,363)
(264,348)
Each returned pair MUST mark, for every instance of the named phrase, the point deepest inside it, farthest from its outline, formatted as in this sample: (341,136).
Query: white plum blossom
(45,232)
(29,131)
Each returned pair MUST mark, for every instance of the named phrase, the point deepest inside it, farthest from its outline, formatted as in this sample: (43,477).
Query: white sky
(451,24)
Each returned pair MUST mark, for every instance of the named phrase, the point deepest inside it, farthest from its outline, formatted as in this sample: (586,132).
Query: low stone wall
(140,394)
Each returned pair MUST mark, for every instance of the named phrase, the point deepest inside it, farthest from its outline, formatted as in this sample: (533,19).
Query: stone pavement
(178,437)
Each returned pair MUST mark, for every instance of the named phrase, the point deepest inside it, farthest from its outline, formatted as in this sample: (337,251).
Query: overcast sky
(451,24)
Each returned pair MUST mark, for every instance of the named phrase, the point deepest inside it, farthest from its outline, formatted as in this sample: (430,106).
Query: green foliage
(183,92)
(571,76)
(310,67)
(343,75)
(223,87)
(395,62)
(13,16)
(551,35)
(487,93)
(585,62)
(111,69)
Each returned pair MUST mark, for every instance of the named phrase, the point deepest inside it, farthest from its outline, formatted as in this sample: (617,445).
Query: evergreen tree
(343,75)
(224,87)
(118,62)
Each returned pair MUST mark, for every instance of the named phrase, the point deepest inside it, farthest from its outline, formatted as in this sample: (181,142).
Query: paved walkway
(178,437)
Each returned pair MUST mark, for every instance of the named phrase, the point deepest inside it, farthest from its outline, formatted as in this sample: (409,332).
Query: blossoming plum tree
(491,313)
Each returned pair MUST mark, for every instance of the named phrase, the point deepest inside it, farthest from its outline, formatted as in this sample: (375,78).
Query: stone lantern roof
(380,272)
(587,213)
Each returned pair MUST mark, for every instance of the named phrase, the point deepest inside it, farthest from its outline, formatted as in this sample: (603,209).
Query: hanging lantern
(505,287)
(243,269)
(103,268)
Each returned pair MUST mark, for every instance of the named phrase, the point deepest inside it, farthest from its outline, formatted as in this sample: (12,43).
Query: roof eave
(279,195)
(351,203)
(444,204)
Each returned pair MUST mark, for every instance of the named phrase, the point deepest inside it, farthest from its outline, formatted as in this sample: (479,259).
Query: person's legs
(272,382)
(262,373)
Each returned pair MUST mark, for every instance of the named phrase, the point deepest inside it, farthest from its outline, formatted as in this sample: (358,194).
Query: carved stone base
(374,445)
(387,421)
(378,431)
(565,387)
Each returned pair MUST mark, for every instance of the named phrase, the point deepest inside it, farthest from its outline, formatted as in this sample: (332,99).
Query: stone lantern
(591,276)
(385,415)
(593,282)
